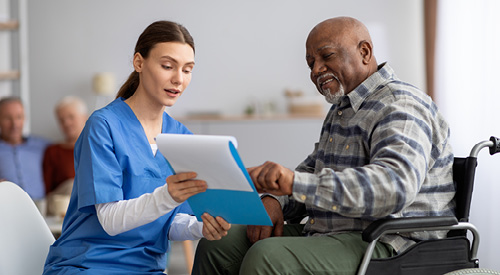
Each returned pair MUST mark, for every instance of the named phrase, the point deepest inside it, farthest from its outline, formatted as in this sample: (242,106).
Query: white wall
(467,89)
(246,50)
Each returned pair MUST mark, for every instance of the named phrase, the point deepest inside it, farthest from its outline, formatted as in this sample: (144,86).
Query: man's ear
(366,51)
(138,62)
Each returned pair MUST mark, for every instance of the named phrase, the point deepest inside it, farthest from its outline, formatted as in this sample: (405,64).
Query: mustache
(320,79)
(323,76)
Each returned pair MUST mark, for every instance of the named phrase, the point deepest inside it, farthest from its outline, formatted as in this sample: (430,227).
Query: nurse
(126,205)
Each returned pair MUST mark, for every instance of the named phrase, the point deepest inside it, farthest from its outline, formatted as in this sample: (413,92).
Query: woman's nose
(177,78)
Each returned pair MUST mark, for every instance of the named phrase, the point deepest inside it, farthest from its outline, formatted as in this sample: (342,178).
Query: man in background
(20,157)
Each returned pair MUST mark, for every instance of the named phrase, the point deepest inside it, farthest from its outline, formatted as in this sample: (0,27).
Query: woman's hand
(184,185)
(214,228)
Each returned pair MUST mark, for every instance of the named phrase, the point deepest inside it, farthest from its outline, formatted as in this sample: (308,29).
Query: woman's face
(166,72)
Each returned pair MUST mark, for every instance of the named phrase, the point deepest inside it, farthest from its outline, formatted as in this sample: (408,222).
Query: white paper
(207,155)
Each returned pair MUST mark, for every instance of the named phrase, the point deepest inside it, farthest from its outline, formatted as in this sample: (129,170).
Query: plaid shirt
(383,151)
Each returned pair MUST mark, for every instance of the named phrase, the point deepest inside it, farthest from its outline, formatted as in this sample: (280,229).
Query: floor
(177,260)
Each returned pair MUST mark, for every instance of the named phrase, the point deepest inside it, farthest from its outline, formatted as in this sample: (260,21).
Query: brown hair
(157,32)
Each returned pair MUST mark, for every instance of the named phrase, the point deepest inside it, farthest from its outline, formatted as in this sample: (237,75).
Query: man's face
(335,62)
(12,122)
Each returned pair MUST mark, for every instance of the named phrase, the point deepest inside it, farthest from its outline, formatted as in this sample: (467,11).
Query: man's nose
(318,69)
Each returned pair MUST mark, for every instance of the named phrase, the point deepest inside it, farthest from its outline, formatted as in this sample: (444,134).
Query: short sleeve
(98,172)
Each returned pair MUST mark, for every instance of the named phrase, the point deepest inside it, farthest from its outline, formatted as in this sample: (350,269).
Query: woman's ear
(365,49)
(138,62)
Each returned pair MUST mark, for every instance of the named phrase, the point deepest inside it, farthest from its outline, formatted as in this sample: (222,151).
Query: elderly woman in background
(58,162)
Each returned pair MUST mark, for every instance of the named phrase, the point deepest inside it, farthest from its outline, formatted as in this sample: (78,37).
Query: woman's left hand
(181,186)
(214,228)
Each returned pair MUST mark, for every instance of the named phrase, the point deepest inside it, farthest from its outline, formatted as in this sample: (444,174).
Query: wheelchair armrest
(379,227)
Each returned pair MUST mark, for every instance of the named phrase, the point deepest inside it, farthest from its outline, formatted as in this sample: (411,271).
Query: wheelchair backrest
(464,170)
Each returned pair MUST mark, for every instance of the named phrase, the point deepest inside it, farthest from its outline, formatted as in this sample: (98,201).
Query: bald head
(341,48)
(350,29)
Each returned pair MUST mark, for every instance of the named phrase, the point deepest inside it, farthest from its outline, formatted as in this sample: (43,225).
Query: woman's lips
(173,93)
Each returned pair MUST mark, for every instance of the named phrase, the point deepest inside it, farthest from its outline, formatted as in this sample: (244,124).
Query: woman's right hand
(181,186)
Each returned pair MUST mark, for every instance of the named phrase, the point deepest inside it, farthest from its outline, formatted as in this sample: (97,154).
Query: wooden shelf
(9,25)
(10,75)
(221,117)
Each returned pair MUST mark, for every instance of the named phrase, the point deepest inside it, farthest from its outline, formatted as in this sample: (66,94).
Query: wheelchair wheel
(474,271)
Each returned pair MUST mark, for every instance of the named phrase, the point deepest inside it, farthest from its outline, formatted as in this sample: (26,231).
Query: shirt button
(331,139)
(311,221)
(339,113)
(334,208)
(303,197)
(347,147)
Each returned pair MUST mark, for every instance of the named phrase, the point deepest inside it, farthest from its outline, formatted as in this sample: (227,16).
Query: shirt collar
(384,74)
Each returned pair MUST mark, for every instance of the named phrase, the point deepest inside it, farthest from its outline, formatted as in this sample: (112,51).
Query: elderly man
(20,157)
(383,152)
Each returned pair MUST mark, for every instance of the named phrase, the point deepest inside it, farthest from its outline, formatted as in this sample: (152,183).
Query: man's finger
(278,230)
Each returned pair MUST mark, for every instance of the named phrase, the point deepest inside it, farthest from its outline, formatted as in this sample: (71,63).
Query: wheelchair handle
(493,144)
(495,147)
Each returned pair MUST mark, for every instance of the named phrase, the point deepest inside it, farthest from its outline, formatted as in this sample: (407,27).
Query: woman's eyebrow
(169,58)
(175,60)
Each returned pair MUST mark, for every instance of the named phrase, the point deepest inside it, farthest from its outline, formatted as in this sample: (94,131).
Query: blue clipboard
(236,207)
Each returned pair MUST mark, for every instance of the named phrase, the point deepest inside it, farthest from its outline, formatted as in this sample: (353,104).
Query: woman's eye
(167,67)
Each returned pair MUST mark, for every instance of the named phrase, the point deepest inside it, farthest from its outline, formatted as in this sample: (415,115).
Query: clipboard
(230,193)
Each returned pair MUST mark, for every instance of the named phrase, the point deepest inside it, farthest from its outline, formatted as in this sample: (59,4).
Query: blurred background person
(58,163)
(21,156)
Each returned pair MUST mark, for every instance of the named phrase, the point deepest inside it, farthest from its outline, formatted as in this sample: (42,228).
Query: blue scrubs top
(114,161)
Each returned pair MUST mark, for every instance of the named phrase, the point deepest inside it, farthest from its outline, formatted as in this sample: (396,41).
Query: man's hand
(183,185)
(214,228)
(272,178)
(273,207)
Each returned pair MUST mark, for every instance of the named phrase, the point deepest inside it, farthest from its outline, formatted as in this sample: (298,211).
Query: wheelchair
(453,254)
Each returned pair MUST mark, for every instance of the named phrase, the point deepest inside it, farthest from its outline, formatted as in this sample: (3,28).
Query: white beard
(334,98)
(330,97)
